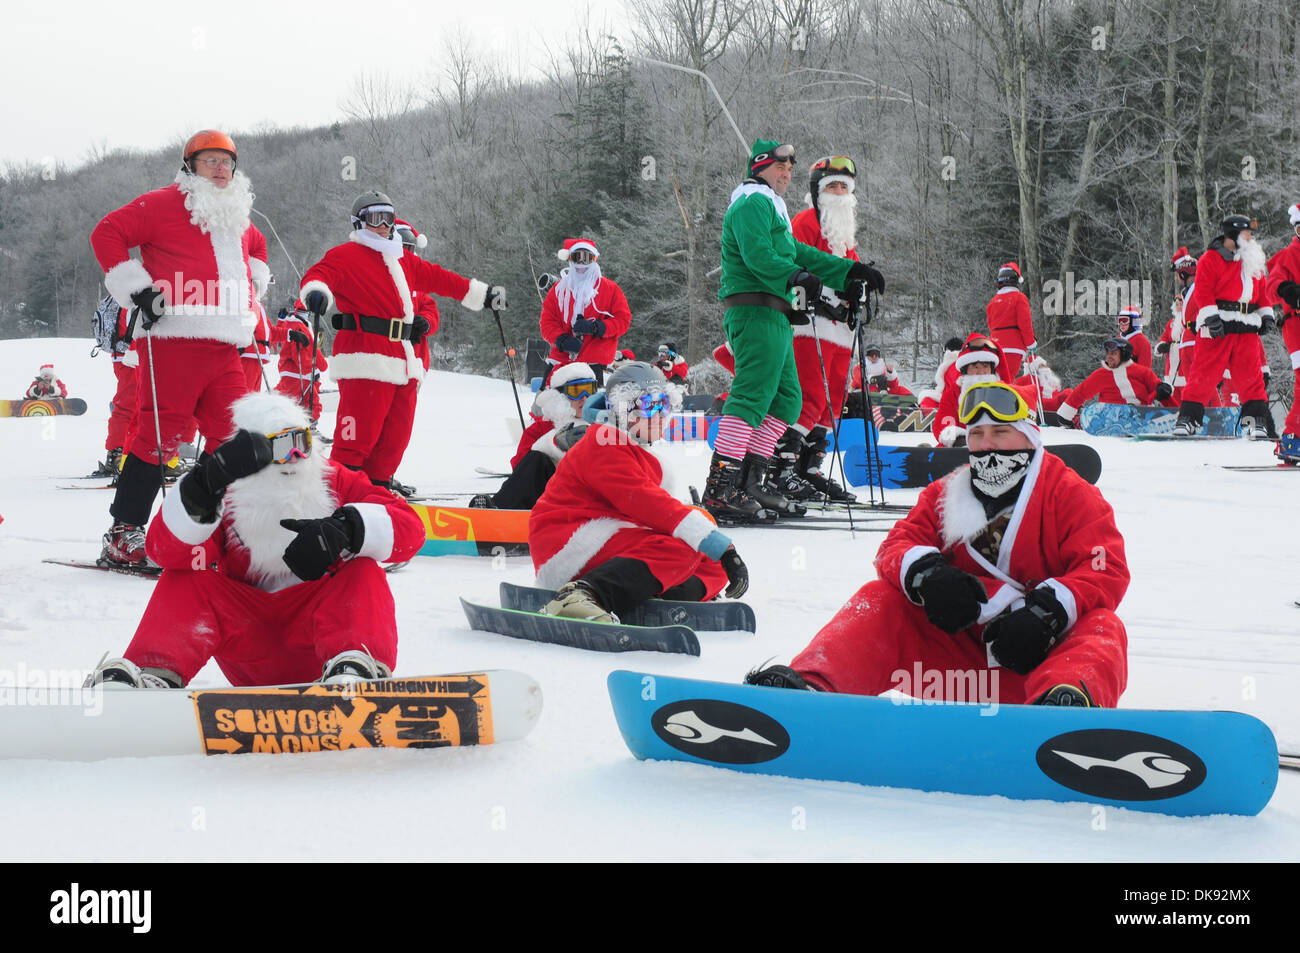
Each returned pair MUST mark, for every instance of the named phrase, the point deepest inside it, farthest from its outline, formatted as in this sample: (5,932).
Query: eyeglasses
(377,217)
(291,444)
(835,164)
(1001,401)
(575,390)
(654,405)
(779,154)
(216,162)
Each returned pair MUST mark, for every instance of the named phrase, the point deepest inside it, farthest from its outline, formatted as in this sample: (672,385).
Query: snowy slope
(1210,619)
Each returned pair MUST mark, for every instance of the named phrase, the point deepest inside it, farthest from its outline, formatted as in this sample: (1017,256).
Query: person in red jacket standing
(270,557)
(259,354)
(1009,569)
(1120,380)
(1130,329)
(1284,289)
(1230,310)
(584,313)
(297,380)
(1009,320)
(371,282)
(202,266)
(1178,341)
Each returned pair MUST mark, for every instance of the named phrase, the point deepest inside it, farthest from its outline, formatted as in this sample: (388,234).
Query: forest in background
(1085,140)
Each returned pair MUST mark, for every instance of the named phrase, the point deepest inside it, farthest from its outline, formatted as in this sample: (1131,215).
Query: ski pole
(875,465)
(835,424)
(157,423)
(510,366)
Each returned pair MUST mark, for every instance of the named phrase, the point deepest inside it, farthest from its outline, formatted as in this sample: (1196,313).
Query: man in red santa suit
(1010,324)
(259,354)
(370,281)
(1178,341)
(270,565)
(1284,291)
(584,313)
(202,266)
(1130,329)
(1040,385)
(1120,380)
(881,377)
(977,363)
(607,534)
(297,357)
(1230,310)
(1009,569)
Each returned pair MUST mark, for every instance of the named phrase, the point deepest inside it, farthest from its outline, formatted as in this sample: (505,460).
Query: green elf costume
(763,268)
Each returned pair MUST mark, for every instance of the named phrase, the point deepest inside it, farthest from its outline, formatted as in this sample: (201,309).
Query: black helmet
(1124,347)
(369,200)
(1233,225)
(829,166)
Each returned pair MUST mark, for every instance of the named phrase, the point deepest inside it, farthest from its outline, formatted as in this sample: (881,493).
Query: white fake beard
(552,405)
(215,210)
(997,472)
(838,216)
(1253,260)
(256,504)
(875,369)
(576,289)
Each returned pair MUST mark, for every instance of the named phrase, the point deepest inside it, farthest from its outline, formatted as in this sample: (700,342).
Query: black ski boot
(1190,413)
(724,496)
(786,478)
(810,467)
(778,676)
(1254,420)
(754,480)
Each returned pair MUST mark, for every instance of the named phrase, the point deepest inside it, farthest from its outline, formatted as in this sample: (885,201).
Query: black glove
(152,306)
(1267,324)
(950,596)
(1214,324)
(242,455)
(419,328)
(1164,391)
(1267,378)
(1289,292)
(810,283)
(593,326)
(1020,640)
(315,301)
(496,298)
(737,574)
(321,542)
(568,344)
(665,365)
(1162,347)
(854,292)
(869,276)
(298,338)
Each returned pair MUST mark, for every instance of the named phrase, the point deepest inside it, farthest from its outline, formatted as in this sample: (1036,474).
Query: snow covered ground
(1210,617)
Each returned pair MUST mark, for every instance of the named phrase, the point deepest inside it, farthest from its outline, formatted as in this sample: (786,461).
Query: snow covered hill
(1210,617)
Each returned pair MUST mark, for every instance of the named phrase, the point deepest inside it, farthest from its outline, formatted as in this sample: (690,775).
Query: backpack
(103,325)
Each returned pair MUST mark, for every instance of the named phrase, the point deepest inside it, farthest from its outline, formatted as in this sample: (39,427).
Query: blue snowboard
(1128,420)
(904,468)
(853,433)
(1170,762)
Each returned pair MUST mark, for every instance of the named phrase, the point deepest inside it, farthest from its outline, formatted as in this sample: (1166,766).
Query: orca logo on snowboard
(720,731)
(1121,765)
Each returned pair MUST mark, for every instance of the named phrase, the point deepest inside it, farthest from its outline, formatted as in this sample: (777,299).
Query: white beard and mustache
(256,504)
(1254,264)
(838,217)
(214,210)
(576,289)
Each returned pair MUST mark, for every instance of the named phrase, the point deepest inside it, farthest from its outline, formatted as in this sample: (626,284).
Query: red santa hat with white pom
(409,236)
(576,244)
(47,370)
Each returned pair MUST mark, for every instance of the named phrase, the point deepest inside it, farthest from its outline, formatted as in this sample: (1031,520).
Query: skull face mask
(996,472)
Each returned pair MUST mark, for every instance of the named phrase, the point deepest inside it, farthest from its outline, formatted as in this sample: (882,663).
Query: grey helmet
(632,380)
(368,200)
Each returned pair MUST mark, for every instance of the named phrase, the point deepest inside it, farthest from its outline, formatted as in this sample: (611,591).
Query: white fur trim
(693,529)
(545,445)
(587,540)
(378,542)
(125,279)
(1008,289)
(261,275)
(320,286)
(573,371)
(202,322)
(1295,360)
(1066,598)
(827,180)
(131,358)
(828,332)
(183,526)
(1124,384)
(909,558)
(476,297)
(1006,597)
(964,361)
(371,367)
(1066,412)
(948,435)
(962,515)
(564,253)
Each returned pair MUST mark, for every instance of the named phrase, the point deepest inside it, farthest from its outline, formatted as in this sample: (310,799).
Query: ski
(1183,763)
(1289,761)
(717,616)
(426,711)
(1267,468)
(494,474)
(580,634)
(147,573)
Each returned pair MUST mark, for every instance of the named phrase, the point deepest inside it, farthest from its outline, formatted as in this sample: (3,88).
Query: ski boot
(1067,696)
(482,501)
(1288,449)
(725,498)
(123,672)
(111,466)
(754,481)
(124,548)
(810,466)
(577,600)
(778,676)
(1253,420)
(350,667)
(1189,418)
(786,478)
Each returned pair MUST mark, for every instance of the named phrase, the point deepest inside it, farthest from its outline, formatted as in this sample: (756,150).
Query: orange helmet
(208,139)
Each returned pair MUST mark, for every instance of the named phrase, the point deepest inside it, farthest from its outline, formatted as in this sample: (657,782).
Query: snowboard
(429,711)
(466,531)
(42,407)
(911,467)
(699,616)
(580,634)
(1183,763)
(1127,420)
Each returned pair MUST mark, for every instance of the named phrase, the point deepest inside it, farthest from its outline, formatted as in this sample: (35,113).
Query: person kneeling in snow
(1011,563)
(608,534)
(47,384)
(269,555)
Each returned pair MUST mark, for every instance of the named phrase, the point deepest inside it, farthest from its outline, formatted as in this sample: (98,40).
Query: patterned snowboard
(1128,420)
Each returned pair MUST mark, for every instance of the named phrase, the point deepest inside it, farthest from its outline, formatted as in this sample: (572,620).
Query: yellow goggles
(1002,402)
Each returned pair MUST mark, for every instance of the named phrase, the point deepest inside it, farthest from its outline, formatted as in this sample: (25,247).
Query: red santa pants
(670,560)
(373,425)
(1291,338)
(123,407)
(816,412)
(252,373)
(265,638)
(196,380)
(875,642)
(1239,353)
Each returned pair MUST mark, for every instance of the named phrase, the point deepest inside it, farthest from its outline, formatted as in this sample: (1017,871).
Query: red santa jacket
(674,368)
(1141,347)
(893,384)
(807,228)
(208,278)
(1220,278)
(358,278)
(1062,535)
(609,305)
(1010,323)
(606,482)
(530,436)
(176,540)
(1173,336)
(1285,266)
(1130,383)
(265,337)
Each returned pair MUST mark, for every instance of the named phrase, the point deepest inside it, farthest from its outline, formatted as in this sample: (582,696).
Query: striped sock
(764,440)
(734,437)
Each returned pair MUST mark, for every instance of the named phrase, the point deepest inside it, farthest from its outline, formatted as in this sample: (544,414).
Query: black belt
(1236,307)
(757,299)
(395,329)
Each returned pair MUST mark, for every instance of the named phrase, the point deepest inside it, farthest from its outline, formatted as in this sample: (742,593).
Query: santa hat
(267,412)
(1010,274)
(1183,259)
(47,370)
(976,348)
(402,227)
(574,244)
(1294,213)
(563,374)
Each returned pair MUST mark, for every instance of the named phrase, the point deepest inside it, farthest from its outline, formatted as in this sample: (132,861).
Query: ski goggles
(378,216)
(575,390)
(291,444)
(1002,402)
(783,153)
(835,164)
(654,405)
(581,256)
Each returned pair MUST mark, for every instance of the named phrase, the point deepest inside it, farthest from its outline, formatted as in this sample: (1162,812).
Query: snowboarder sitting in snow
(269,556)
(608,534)
(1013,562)
(557,425)
(1118,381)
(46,385)
(672,364)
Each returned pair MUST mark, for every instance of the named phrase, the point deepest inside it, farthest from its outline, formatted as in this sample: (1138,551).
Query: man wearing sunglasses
(369,282)
(765,270)
(1006,574)
(201,268)
(584,313)
(270,559)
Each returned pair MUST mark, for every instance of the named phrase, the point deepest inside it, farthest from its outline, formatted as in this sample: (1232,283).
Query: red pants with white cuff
(874,642)
(373,425)
(1291,338)
(195,380)
(816,412)
(265,638)
(670,560)
(1239,353)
